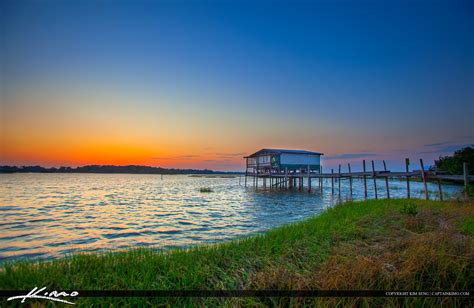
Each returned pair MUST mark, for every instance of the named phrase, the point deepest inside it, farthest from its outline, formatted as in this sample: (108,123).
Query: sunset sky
(200,84)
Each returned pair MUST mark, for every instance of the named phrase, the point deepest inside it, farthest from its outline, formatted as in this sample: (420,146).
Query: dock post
(246,169)
(465,171)
(375,180)
(365,179)
(286,178)
(309,179)
(423,176)
(256,178)
(407,163)
(332,181)
(386,180)
(300,180)
(440,192)
(339,181)
(321,179)
(350,178)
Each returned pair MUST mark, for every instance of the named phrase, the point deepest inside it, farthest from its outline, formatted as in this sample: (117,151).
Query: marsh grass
(373,245)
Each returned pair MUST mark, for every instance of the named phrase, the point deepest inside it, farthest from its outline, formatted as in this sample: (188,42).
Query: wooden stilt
(465,171)
(439,190)
(365,179)
(246,170)
(375,180)
(256,175)
(386,180)
(407,163)
(332,181)
(300,180)
(350,179)
(423,176)
(309,179)
(339,181)
(321,179)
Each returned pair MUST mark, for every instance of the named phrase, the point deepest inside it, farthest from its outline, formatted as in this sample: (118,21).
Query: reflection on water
(51,215)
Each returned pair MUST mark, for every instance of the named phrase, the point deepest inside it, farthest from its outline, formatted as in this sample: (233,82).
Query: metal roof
(280,151)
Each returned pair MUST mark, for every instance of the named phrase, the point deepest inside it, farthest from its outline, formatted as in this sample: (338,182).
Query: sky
(200,84)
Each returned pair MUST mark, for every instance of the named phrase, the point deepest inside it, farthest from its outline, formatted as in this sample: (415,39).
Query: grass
(205,189)
(375,245)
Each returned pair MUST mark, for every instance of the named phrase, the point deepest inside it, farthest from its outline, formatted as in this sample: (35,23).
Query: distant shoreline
(110,169)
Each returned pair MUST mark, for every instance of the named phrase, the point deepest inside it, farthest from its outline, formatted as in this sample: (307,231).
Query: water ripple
(51,215)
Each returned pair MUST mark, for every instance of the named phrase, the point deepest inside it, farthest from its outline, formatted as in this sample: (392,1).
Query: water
(52,215)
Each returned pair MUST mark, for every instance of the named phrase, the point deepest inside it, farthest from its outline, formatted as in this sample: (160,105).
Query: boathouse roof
(280,151)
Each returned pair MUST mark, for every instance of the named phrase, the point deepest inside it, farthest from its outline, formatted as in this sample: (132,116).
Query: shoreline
(374,244)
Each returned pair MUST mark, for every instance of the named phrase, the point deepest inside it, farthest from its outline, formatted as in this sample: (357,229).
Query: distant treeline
(107,169)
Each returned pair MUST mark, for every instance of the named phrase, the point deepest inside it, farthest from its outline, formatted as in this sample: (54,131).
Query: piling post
(256,174)
(332,181)
(423,176)
(309,179)
(440,192)
(350,178)
(465,174)
(300,180)
(375,180)
(339,181)
(365,179)
(246,169)
(386,180)
(407,163)
(321,179)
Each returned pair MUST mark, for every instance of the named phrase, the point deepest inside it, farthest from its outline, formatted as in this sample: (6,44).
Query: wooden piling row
(295,180)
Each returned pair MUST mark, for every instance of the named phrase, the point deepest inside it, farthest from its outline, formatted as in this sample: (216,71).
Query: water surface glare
(52,215)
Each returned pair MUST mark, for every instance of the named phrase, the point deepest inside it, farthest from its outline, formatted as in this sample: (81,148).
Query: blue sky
(352,79)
